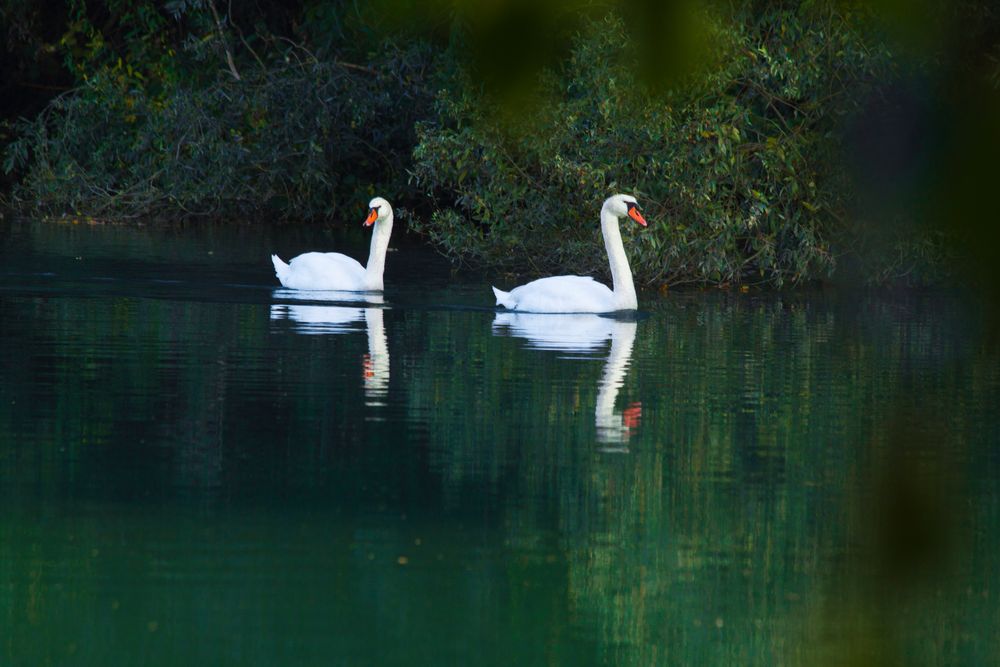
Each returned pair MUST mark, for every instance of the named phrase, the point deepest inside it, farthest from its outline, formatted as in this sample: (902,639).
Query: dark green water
(198,469)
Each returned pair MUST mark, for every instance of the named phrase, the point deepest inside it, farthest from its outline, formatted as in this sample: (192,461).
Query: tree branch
(225,44)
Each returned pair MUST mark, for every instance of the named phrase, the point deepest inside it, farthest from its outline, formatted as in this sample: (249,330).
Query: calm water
(197,468)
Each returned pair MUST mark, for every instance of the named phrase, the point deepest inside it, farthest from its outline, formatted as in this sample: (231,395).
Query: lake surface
(199,468)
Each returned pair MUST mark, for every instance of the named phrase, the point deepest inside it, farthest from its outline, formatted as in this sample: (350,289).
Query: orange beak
(372,215)
(633,213)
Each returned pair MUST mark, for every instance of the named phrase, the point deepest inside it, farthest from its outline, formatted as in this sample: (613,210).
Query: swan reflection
(376,362)
(328,296)
(616,427)
(313,319)
(586,333)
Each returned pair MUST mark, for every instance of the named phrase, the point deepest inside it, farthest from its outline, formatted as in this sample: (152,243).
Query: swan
(334,271)
(583,294)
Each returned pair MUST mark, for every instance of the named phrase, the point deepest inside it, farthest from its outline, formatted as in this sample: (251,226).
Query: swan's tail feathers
(503,298)
(280,268)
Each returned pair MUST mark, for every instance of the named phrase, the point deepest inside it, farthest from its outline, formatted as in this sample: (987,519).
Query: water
(198,468)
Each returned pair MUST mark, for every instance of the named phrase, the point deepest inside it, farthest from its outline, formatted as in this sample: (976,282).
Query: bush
(725,119)
(736,168)
(284,141)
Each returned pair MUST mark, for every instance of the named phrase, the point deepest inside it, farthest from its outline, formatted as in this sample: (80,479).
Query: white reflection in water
(325,319)
(310,319)
(586,333)
(580,332)
(376,363)
(616,427)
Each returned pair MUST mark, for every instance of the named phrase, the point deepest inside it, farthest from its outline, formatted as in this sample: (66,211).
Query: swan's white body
(321,271)
(582,294)
(334,271)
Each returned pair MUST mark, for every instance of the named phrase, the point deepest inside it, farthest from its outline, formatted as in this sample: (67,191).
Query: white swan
(582,294)
(334,271)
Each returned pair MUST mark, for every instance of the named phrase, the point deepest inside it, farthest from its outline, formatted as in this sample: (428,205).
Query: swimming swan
(583,294)
(334,271)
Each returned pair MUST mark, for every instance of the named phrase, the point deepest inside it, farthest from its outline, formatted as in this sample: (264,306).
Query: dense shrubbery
(735,167)
(177,112)
(288,141)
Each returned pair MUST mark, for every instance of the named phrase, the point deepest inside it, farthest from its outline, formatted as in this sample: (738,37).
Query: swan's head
(622,205)
(378,209)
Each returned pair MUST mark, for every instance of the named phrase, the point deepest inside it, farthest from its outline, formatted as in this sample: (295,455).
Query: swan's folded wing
(563,294)
(343,261)
(325,270)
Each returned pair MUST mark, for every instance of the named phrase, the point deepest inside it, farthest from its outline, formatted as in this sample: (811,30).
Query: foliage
(735,123)
(735,167)
(186,116)
(280,142)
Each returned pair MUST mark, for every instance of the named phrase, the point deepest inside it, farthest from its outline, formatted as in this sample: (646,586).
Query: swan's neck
(621,273)
(376,257)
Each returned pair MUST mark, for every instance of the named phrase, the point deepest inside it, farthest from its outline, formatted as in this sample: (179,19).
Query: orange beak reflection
(632,415)
(372,215)
(633,213)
